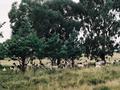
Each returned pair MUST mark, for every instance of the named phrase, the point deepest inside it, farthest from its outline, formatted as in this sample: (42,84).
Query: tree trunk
(53,61)
(23,65)
(103,58)
(58,62)
(73,63)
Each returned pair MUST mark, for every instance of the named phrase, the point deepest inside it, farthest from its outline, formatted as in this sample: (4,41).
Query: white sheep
(100,63)
(4,69)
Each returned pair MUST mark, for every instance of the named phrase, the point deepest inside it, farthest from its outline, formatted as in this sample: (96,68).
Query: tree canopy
(99,27)
(51,29)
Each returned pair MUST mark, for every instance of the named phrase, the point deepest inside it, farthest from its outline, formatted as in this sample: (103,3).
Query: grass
(105,78)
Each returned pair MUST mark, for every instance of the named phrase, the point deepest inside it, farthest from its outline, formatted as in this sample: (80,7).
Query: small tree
(23,48)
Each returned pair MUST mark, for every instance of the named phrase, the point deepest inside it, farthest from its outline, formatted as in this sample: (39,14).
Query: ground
(104,78)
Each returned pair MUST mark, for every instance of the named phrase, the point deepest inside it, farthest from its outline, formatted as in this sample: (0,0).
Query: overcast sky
(5,6)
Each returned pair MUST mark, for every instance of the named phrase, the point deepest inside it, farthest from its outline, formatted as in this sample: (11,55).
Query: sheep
(79,65)
(86,64)
(11,67)
(54,67)
(68,64)
(41,65)
(100,63)
(4,69)
(114,62)
(15,68)
(29,66)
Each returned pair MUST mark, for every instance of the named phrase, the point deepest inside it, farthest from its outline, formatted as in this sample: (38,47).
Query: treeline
(62,29)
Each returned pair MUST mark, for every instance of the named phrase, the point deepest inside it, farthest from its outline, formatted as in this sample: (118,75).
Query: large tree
(99,27)
(24,42)
(55,21)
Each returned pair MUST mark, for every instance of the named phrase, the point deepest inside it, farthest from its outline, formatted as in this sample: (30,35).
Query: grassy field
(105,78)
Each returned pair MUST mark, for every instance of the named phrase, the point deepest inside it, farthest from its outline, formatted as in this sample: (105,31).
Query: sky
(5,6)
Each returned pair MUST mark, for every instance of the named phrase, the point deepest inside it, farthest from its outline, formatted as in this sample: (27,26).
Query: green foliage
(3,51)
(45,20)
(19,18)
(56,25)
(24,48)
(21,47)
(71,49)
(99,27)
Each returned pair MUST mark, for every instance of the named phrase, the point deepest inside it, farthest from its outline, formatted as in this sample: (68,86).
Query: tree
(23,48)
(72,48)
(1,25)
(56,24)
(99,27)
(3,51)
(57,21)
(20,21)
(24,43)
(116,5)
(53,45)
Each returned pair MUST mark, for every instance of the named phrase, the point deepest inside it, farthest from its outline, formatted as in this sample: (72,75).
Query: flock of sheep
(63,64)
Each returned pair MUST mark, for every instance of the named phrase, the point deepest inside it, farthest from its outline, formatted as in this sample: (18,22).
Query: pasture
(92,78)
(105,78)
